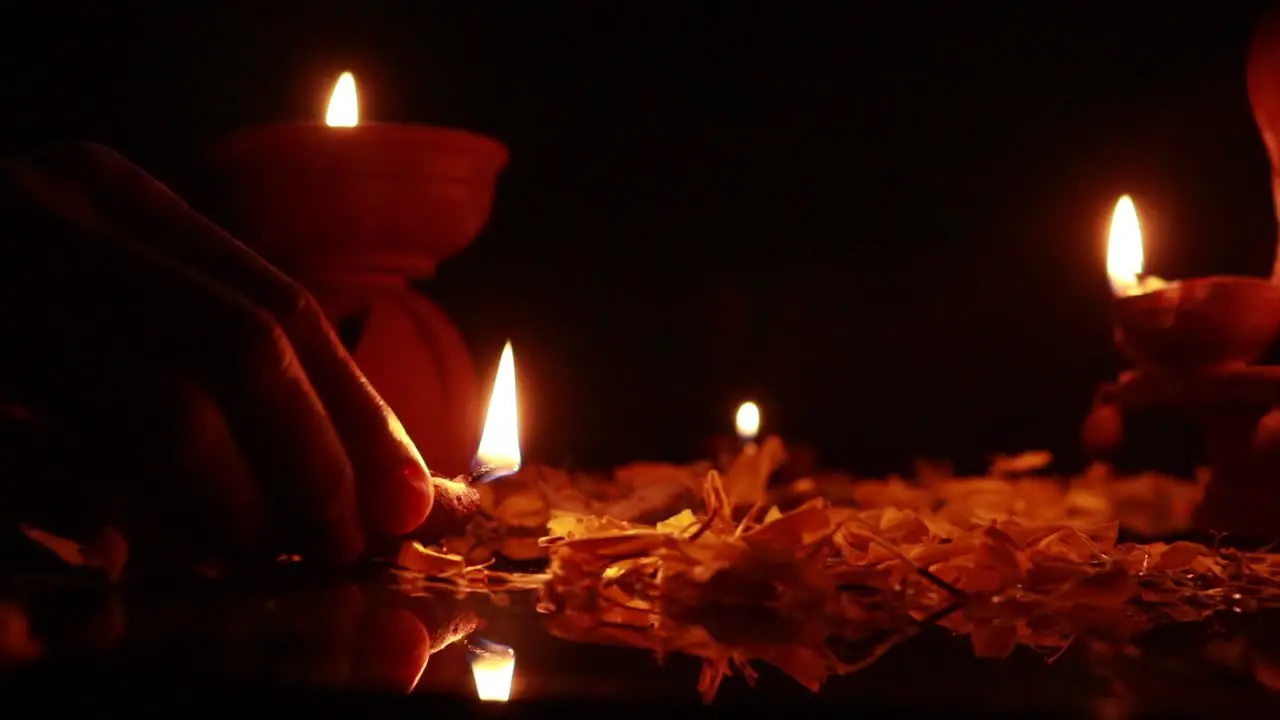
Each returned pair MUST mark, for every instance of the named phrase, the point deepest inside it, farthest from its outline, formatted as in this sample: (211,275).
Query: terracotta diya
(1194,345)
(355,211)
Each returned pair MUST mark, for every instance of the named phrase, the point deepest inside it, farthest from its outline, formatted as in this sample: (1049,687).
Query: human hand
(198,398)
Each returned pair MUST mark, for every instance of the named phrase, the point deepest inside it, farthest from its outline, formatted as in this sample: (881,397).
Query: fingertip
(393,652)
(454,504)
(402,504)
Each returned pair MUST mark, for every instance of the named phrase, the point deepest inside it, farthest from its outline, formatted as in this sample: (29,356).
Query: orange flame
(344,107)
(747,421)
(499,451)
(1125,257)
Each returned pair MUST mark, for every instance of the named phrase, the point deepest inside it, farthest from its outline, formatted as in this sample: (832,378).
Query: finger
(447,619)
(440,622)
(454,505)
(391,652)
(193,496)
(184,434)
(155,312)
(394,483)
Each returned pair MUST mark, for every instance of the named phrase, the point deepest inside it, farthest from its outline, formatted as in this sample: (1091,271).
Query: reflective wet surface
(359,637)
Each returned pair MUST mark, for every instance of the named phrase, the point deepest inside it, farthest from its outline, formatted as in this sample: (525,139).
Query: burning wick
(1125,255)
(493,666)
(499,451)
(747,424)
(344,108)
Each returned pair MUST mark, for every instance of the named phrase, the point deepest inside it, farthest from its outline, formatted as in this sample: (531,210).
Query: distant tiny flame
(493,666)
(344,108)
(747,421)
(1125,255)
(499,452)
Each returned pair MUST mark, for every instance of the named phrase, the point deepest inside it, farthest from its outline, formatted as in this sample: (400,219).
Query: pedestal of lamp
(356,214)
(1194,345)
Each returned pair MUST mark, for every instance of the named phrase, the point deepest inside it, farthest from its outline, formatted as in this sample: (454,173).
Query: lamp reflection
(493,666)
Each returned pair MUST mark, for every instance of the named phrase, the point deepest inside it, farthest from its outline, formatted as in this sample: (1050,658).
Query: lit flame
(1124,249)
(344,108)
(747,421)
(493,666)
(499,452)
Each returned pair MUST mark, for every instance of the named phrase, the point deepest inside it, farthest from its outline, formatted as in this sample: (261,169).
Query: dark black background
(886,224)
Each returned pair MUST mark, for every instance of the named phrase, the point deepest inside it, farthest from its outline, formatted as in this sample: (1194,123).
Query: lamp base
(1232,407)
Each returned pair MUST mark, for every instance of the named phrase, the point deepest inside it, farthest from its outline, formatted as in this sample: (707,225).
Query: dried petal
(747,481)
(792,531)
(419,558)
(522,548)
(1110,588)
(1177,556)
(1021,463)
(107,552)
(524,509)
(682,523)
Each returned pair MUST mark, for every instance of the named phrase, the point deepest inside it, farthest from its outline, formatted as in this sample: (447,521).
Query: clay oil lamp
(1200,325)
(1194,344)
(355,211)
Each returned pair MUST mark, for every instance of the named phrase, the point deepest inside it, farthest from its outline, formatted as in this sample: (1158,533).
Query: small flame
(493,666)
(499,452)
(1124,249)
(344,108)
(747,421)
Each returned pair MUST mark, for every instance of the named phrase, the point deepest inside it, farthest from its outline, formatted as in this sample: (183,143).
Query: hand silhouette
(185,390)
